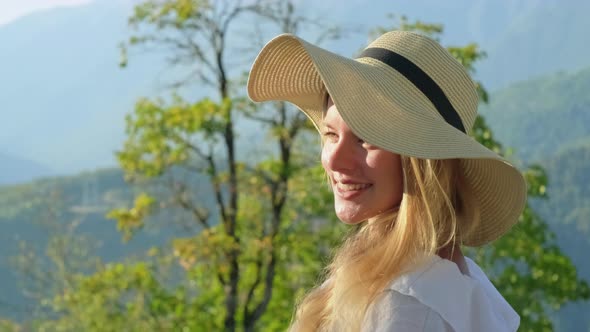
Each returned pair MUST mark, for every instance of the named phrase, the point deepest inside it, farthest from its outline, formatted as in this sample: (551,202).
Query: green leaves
(483,134)
(117,297)
(526,265)
(467,55)
(532,273)
(278,210)
(401,22)
(154,12)
(536,178)
(162,136)
(132,220)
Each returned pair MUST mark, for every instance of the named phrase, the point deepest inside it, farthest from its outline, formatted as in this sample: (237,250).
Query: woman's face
(366,180)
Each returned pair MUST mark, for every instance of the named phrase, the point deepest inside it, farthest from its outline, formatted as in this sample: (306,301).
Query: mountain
(542,115)
(16,169)
(546,121)
(61,82)
(541,105)
(66,97)
(522,39)
(38,211)
(568,213)
(64,101)
(542,37)
(569,194)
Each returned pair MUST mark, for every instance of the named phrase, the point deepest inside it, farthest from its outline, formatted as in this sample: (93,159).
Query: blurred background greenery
(141,190)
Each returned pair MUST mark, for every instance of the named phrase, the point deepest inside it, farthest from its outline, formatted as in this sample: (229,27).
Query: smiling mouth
(349,191)
(345,187)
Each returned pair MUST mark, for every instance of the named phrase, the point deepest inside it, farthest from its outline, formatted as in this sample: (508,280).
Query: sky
(13,9)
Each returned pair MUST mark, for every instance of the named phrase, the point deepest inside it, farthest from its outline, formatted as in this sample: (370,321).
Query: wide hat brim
(290,69)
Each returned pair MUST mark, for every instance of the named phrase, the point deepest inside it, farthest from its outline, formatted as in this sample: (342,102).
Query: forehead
(331,117)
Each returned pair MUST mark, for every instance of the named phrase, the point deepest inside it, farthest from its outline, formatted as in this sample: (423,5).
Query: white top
(438,297)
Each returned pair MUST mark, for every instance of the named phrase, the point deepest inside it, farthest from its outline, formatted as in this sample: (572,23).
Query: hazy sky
(13,9)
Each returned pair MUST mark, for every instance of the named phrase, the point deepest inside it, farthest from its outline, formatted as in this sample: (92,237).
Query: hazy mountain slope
(61,86)
(27,209)
(568,212)
(540,116)
(16,169)
(545,37)
(546,120)
(66,98)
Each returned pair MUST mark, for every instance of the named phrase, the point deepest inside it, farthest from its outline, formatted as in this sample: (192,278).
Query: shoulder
(465,302)
(394,311)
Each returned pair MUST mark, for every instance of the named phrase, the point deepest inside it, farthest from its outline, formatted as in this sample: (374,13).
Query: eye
(330,135)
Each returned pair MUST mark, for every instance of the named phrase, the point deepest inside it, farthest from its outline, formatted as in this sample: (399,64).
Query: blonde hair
(436,208)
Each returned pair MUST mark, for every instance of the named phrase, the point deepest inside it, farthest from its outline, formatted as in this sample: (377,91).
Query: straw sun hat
(406,94)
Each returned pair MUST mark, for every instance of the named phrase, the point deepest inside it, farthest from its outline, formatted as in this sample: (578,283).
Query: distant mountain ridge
(538,105)
(547,120)
(64,89)
(543,38)
(568,212)
(66,99)
(62,85)
(15,170)
(541,116)
(86,198)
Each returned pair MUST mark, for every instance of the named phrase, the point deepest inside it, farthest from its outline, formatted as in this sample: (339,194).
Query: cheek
(324,157)
(388,172)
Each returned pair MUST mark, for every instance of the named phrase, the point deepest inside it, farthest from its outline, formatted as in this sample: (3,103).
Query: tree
(239,243)
(253,222)
(51,266)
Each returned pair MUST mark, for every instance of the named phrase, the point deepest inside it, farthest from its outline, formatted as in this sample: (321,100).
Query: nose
(340,156)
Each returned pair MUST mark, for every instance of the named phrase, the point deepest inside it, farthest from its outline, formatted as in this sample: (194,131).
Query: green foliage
(161,136)
(546,118)
(20,199)
(526,265)
(274,231)
(132,220)
(181,10)
(123,297)
(9,326)
(237,258)
(401,22)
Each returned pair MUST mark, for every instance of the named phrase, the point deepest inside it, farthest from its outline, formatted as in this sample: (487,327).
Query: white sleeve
(394,311)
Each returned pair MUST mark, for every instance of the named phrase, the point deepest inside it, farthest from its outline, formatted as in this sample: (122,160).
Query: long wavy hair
(436,209)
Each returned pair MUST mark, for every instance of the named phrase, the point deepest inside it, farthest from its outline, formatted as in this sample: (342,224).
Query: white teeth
(351,187)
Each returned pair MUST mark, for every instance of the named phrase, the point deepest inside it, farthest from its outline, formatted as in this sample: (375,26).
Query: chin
(351,220)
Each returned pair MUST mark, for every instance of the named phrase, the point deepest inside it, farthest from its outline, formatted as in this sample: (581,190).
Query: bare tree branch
(252,289)
(299,120)
(180,193)
(262,119)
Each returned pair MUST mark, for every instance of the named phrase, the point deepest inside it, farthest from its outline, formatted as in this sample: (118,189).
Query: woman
(394,124)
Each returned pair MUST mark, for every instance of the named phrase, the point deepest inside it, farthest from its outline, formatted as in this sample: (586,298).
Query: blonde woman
(396,148)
